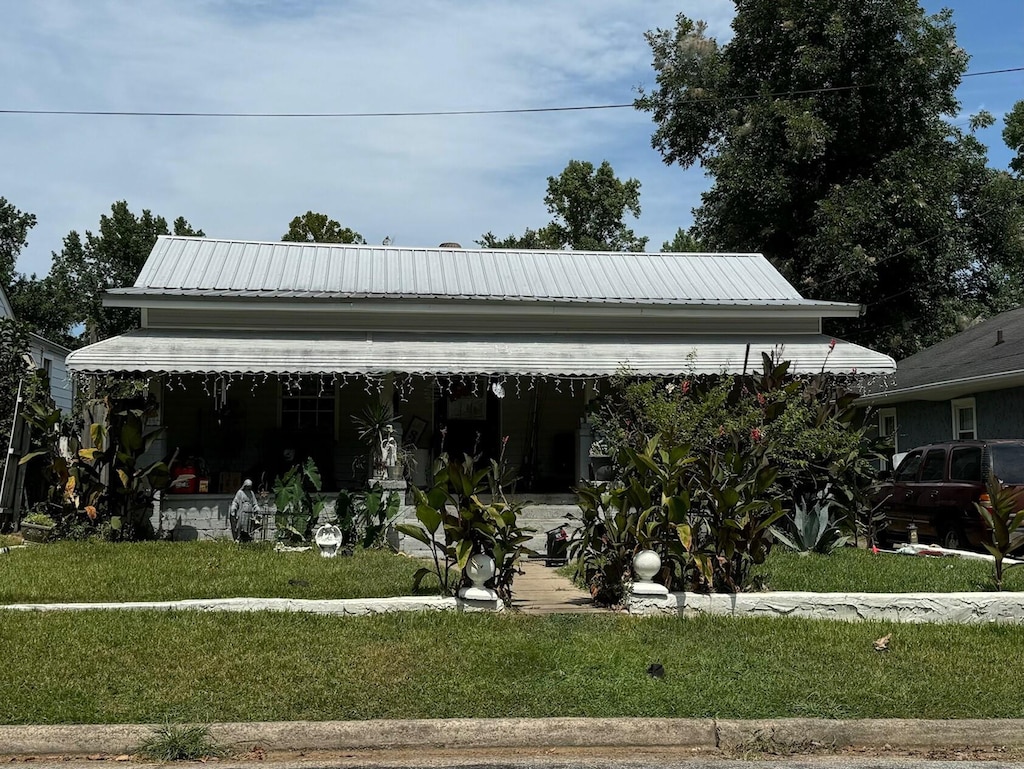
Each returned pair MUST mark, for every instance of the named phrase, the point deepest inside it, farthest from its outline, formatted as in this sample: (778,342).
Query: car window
(965,464)
(934,466)
(1008,462)
(907,471)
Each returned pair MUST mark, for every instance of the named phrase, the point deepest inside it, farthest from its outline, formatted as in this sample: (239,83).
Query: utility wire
(451,113)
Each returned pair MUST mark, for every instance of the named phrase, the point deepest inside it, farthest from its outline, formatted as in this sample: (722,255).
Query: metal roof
(582,355)
(181,266)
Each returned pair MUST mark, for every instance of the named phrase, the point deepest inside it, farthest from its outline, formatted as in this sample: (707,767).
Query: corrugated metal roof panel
(580,355)
(203,265)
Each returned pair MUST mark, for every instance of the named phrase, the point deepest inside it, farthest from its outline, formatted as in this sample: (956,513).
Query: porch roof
(172,351)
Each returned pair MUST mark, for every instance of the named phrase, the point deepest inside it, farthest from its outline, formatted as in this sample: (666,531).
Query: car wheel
(953,539)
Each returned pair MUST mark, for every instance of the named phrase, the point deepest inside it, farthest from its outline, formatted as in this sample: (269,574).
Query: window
(965,464)
(48,367)
(964,422)
(907,470)
(934,466)
(307,406)
(887,427)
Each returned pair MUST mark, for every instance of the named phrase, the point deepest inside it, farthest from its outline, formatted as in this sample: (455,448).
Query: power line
(452,113)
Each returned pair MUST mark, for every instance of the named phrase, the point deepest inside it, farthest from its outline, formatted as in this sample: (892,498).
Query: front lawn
(164,571)
(115,666)
(853,570)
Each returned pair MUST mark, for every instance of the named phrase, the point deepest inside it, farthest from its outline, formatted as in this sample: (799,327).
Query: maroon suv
(936,487)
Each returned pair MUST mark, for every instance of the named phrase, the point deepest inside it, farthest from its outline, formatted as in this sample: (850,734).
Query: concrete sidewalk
(698,735)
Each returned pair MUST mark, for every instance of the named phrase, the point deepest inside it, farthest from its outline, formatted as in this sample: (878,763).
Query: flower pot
(36,532)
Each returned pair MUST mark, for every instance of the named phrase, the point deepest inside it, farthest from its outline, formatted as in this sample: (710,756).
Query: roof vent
(450,245)
(999,336)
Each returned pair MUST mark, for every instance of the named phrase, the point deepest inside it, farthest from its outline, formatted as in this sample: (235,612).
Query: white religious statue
(389,450)
(243,513)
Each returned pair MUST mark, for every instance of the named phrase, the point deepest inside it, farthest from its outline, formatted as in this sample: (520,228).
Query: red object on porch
(184,480)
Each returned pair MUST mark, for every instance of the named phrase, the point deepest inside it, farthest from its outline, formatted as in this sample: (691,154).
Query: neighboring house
(257,348)
(48,356)
(970,385)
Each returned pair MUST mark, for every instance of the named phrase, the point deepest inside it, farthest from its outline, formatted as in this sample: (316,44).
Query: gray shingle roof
(208,267)
(971,353)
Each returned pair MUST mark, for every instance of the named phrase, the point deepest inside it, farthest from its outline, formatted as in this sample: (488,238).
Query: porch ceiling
(151,351)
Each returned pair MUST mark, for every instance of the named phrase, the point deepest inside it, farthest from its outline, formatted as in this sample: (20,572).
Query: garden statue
(243,513)
(389,450)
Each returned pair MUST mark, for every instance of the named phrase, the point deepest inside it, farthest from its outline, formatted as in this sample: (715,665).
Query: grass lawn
(860,571)
(160,571)
(108,666)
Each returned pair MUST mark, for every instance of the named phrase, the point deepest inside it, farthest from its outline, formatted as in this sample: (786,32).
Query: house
(261,352)
(970,385)
(48,356)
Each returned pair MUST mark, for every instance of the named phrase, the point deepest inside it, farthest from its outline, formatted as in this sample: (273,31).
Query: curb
(693,734)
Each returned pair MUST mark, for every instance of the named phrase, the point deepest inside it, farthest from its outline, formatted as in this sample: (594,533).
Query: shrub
(298,501)
(812,530)
(456,525)
(1004,517)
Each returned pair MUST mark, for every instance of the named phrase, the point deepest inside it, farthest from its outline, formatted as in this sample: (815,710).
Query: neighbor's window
(307,406)
(887,427)
(964,422)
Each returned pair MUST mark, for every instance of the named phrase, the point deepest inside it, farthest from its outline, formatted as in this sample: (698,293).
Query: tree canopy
(14,227)
(682,243)
(825,126)
(71,295)
(313,227)
(589,207)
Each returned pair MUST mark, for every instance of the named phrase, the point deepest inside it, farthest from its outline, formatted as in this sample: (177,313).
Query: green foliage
(39,519)
(319,228)
(862,186)
(812,530)
(105,486)
(14,227)
(809,427)
(85,268)
(456,525)
(364,518)
(370,426)
(589,207)
(181,742)
(298,501)
(13,369)
(708,515)
(682,242)
(1004,515)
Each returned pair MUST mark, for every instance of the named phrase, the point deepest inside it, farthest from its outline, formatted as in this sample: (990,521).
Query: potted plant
(37,527)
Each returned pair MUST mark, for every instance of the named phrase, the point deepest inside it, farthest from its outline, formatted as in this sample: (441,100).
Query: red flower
(832,345)
(755,435)
(761,399)
(686,386)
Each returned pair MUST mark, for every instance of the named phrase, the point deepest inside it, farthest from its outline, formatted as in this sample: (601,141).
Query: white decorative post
(477,597)
(646,564)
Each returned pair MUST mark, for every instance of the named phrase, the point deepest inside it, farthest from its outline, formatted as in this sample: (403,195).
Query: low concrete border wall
(953,608)
(349,607)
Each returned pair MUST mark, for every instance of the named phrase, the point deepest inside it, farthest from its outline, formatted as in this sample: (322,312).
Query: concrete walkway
(542,590)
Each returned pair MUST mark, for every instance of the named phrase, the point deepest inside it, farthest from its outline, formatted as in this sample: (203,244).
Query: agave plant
(812,531)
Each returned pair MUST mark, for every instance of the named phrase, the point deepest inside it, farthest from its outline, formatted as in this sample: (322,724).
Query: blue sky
(419,180)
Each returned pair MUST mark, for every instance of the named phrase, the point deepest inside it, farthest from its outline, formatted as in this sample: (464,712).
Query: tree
(319,228)
(589,206)
(1013,135)
(14,227)
(682,243)
(111,258)
(823,126)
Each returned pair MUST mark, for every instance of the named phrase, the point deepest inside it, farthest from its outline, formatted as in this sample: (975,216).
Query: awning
(164,351)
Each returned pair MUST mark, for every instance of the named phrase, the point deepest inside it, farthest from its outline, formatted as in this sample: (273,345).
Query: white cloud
(421,180)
